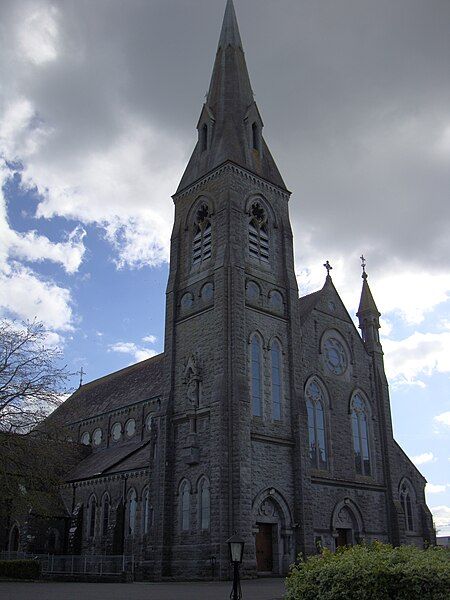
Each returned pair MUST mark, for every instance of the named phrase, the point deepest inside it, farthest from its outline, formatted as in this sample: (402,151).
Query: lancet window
(185,506)
(132,509)
(405,498)
(201,249)
(105,514)
(205,504)
(92,514)
(258,233)
(360,432)
(316,426)
(275,355)
(256,375)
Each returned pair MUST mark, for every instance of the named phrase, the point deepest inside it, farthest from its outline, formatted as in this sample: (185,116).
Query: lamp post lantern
(236,548)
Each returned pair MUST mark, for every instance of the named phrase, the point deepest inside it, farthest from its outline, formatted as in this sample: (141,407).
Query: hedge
(372,572)
(20,569)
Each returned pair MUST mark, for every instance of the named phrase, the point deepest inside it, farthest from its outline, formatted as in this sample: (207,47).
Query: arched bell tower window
(316,426)
(405,499)
(258,235)
(360,431)
(201,249)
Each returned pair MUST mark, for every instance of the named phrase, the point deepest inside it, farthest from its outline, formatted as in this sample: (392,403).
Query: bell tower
(229,462)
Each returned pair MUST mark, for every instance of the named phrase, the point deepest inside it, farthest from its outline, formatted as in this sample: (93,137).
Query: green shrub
(372,572)
(20,569)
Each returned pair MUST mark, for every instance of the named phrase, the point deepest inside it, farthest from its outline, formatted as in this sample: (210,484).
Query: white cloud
(432,488)
(422,459)
(420,354)
(24,295)
(37,32)
(150,339)
(139,353)
(443,418)
(441,516)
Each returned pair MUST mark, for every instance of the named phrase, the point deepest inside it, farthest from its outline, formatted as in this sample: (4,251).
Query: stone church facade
(268,414)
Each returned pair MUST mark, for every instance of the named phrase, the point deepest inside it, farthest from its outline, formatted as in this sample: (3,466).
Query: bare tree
(32,382)
(34,455)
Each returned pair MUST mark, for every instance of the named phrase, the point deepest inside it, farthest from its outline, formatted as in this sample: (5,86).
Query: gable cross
(328,267)
(81,372)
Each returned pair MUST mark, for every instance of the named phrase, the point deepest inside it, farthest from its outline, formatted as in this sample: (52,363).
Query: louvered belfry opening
(202,236)
(258,236)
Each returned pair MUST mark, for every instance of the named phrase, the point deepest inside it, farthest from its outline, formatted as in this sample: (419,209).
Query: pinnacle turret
(368,314)
(230,126)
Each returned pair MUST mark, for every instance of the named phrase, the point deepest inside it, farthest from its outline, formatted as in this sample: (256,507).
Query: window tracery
(405,499)
(316,426)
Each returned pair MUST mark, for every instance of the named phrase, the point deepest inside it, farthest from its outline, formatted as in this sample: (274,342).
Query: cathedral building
(267,414)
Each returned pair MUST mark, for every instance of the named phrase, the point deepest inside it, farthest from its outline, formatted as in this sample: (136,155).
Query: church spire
(368,315)
(230,126)
(230,35)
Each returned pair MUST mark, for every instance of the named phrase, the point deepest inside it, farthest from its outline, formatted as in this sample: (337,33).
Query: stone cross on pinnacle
(328,267)
(363,265)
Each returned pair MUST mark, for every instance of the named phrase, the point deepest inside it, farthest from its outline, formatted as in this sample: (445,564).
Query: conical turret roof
(367,303)
(229,113)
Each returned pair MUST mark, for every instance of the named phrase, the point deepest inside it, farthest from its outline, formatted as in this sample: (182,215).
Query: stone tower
(230,321)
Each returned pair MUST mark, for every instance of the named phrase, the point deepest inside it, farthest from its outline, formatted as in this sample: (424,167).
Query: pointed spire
(230,35)
(368,315)
(366,303)
(230,126)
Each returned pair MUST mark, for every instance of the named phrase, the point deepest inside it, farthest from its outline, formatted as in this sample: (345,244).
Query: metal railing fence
(85,564)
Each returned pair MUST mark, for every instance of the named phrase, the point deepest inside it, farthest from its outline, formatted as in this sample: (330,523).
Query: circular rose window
(335,356)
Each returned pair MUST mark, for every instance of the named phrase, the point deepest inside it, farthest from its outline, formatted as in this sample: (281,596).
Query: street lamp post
(236,547)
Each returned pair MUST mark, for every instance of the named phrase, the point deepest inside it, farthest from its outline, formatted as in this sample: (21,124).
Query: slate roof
(367,303)
(229,100)
(138,382)
(307,303)
(124,457)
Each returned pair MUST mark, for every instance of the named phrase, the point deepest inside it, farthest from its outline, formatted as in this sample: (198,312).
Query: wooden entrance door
(264,551)
(342,537)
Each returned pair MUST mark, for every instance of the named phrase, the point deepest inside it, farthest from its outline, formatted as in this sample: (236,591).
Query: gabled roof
(307,303)
(126,457)
(133,384)
(229,100)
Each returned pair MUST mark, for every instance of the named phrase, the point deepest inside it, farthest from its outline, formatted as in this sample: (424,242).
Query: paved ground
(260,589)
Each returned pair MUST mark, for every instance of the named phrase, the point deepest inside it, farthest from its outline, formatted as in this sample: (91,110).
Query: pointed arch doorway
(347,524)
(272,528)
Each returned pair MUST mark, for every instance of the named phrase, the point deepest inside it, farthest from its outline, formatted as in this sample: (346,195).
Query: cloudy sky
(98,105)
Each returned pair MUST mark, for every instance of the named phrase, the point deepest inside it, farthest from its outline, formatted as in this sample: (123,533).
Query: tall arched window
(132,509)
(316,426)
(258,234)
(147,511)
(185,506)
(205,504)
(405,499)
(92,514)
(201,248)
(275,355)
(256,371)
(105,514)
(360,432)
